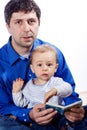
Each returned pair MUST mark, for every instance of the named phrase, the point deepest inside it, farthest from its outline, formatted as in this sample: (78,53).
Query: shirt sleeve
(64,72)
(19,99)
(63,88)
(7,106)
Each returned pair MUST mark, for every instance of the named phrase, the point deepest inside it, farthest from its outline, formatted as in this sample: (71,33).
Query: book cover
(61,109)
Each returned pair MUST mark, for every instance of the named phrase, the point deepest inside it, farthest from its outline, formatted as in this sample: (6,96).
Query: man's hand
(76,114)
(41,115)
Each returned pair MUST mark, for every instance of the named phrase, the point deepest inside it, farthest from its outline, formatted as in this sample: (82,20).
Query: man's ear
(8,28)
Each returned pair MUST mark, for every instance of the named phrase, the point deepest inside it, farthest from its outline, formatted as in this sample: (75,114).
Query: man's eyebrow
(24,19)
(17,19)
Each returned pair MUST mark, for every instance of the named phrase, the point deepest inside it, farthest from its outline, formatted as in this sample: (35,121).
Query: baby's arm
(49,94)
(60,88)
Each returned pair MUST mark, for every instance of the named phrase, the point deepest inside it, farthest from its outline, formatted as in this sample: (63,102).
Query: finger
(46,119)
(45,122)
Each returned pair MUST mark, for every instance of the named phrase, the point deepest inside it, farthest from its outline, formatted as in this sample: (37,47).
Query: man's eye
(31,21)
(18,22)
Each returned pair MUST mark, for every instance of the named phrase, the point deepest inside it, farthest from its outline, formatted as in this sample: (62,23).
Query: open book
(61,109)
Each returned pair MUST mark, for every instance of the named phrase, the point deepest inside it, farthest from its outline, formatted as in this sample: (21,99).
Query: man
(22,19)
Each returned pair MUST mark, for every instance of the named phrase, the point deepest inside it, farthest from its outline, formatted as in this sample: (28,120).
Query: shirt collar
(13,56)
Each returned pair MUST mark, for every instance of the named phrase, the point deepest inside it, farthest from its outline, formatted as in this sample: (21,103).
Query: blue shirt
(13,66)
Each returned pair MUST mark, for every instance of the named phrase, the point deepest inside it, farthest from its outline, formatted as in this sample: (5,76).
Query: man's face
(24,28)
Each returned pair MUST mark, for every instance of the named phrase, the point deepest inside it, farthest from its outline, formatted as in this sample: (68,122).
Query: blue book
(61,109)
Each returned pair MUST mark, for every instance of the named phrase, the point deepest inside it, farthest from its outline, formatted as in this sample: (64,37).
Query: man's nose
(26,26)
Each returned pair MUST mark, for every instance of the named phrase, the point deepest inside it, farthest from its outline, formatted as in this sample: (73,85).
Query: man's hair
(20,5)
(42,49)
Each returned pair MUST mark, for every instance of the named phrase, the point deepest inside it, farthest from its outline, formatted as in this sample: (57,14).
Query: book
(61,109)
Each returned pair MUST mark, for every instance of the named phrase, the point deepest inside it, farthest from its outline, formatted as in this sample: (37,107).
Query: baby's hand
(17,85)
(49,94)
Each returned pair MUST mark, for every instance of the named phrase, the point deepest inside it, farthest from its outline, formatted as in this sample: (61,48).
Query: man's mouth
(28,38)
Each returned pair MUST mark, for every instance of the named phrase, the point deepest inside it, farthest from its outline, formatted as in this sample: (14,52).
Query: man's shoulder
(41,42)
(3,50)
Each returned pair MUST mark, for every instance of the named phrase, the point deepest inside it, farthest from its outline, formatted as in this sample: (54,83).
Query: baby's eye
(39,65)
(49,64)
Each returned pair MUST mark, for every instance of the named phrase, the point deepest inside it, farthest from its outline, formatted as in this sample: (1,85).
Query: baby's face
(44,65)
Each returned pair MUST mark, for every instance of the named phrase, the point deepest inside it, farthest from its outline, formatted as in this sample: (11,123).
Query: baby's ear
(31,66)
(56,67)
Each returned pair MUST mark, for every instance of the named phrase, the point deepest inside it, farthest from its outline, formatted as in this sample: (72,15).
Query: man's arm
(7,106)
(64,72)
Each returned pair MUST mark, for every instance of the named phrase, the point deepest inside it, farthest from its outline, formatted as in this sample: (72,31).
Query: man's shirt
(13,66)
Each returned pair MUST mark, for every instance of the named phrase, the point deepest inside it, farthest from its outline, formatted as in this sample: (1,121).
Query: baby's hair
(42,49)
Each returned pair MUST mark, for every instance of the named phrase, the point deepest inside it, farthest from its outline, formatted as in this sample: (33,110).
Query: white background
(63,23)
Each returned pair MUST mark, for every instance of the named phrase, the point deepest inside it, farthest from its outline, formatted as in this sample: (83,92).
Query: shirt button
(29,75)
(23,114)
(24,120)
